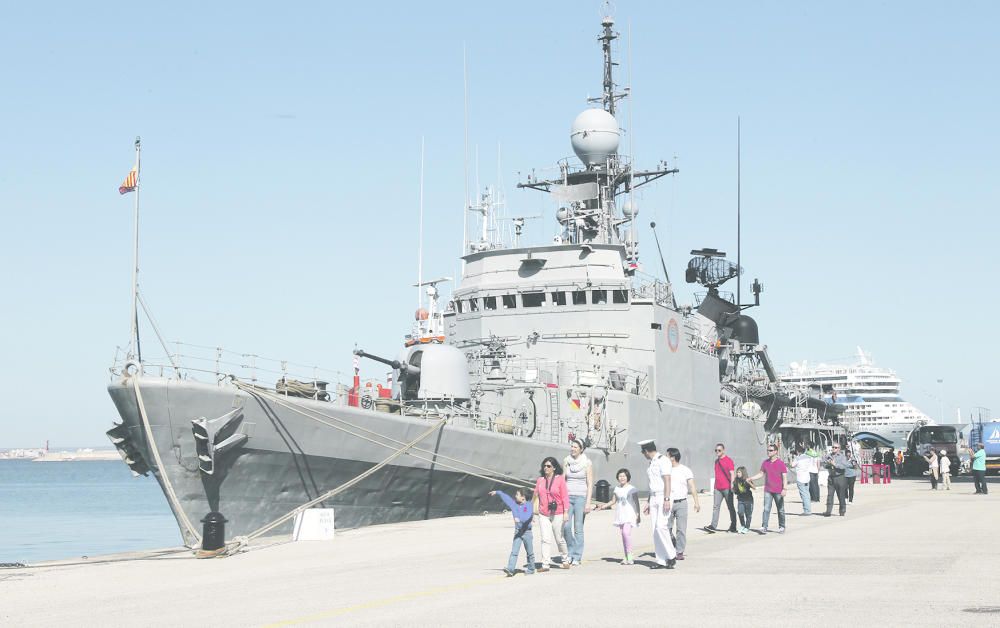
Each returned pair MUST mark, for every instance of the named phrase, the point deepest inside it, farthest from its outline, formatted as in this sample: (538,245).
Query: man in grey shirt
(836,463)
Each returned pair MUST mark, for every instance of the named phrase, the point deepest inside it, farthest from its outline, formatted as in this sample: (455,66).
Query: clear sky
(281,169)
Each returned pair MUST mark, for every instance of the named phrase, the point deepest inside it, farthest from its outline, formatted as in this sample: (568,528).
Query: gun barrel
(396,364)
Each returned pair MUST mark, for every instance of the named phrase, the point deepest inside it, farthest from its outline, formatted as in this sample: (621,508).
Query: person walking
(774,471)
(945,466)
(579,475)
(681,485)
(658,504)
(724,471)
(551,504)
(851,476)
(979,468)
(626,502)
(803,465)
(836,484)
(743,489)
(932,466)
(888,459)
(813,473)
(521,509)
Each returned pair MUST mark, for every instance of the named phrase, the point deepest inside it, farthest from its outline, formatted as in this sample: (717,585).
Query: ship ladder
(553,414)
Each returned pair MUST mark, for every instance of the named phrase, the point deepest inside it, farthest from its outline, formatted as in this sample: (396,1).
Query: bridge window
(533,299)
(579,297)
(599,297)
(559,298)
(458,306)
(619,296)
(489,303)
(509,301)
(473,305)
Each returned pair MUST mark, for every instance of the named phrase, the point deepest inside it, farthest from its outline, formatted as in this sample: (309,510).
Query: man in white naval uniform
(658,506)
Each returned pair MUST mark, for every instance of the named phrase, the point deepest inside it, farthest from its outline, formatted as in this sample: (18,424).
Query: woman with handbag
(551,505)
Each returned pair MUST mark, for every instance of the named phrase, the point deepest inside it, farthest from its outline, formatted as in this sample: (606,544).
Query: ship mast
(589,196)
(609,97)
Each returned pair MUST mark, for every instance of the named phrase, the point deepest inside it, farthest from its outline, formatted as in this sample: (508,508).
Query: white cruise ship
(869,393)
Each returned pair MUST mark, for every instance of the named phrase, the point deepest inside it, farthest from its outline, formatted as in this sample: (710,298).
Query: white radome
(630,211)
(595,136)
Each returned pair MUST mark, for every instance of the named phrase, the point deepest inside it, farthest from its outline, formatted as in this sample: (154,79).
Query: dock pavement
(903,554)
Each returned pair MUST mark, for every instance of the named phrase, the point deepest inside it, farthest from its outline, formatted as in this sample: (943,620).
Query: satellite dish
(595,136)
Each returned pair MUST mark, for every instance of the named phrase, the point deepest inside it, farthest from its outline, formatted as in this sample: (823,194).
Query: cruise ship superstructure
(869,394)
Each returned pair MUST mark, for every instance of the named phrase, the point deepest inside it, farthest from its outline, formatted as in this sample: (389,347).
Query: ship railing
(649,287)
(217,364)
(513,372)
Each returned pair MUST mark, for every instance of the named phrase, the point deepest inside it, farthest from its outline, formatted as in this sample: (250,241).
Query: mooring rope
(436,458)
(343,487)
(164,476)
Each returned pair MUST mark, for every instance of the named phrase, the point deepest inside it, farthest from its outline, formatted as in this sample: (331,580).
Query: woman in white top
(579,474)
(626,503)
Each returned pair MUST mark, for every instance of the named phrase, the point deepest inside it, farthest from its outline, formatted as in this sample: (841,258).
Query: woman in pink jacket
(551,504)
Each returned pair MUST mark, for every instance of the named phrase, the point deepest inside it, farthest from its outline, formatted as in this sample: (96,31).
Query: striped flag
(128,185)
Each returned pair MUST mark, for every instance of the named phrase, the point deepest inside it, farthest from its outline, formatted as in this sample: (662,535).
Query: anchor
(211,440)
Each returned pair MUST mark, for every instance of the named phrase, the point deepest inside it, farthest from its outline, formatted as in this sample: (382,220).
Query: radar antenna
(710,268)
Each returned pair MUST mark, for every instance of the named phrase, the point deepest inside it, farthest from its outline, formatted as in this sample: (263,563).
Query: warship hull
(289,458)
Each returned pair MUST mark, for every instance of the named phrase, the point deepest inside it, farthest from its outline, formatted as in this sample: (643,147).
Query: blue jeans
(804,494)
(529,547)
(777,498)
(573,528)
(745,509)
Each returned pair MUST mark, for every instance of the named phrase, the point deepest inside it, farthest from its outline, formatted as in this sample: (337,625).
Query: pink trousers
(627,538)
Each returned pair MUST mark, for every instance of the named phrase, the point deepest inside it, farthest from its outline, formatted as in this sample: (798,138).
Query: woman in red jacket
(551,504)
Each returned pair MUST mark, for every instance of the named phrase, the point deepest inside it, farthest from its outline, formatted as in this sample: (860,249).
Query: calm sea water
(57,510)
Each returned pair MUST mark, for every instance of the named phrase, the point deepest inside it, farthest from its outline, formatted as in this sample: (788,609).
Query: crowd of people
(562,494)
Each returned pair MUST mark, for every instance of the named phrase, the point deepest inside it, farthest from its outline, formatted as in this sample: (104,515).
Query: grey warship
(537,345)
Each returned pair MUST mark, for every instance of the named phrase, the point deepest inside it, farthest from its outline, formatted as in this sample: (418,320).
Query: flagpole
(135,257)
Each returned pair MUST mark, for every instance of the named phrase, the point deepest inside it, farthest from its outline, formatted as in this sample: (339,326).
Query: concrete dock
(902,554)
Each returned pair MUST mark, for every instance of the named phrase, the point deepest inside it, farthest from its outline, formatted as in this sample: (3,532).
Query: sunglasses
(718,451)
(772,450)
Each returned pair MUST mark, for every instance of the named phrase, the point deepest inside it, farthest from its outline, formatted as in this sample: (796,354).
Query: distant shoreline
(68,456)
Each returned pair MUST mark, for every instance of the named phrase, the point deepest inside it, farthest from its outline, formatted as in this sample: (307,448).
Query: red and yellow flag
(128,185)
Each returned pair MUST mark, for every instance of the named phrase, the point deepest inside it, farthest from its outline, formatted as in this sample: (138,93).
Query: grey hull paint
(289,459)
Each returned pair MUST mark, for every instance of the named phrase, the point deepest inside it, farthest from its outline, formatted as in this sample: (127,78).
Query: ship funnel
(595,136)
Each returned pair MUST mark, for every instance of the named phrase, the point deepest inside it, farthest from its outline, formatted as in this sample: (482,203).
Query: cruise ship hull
(289,458)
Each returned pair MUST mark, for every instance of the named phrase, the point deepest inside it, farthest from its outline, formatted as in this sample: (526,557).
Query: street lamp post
(941,401)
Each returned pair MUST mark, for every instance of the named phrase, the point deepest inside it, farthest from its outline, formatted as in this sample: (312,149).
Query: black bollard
(213,532)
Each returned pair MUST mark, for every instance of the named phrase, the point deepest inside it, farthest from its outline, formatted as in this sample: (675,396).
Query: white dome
(594,136)
(630,211)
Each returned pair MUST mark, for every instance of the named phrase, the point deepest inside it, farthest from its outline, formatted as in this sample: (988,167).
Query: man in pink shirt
(725,470)
(774,471)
